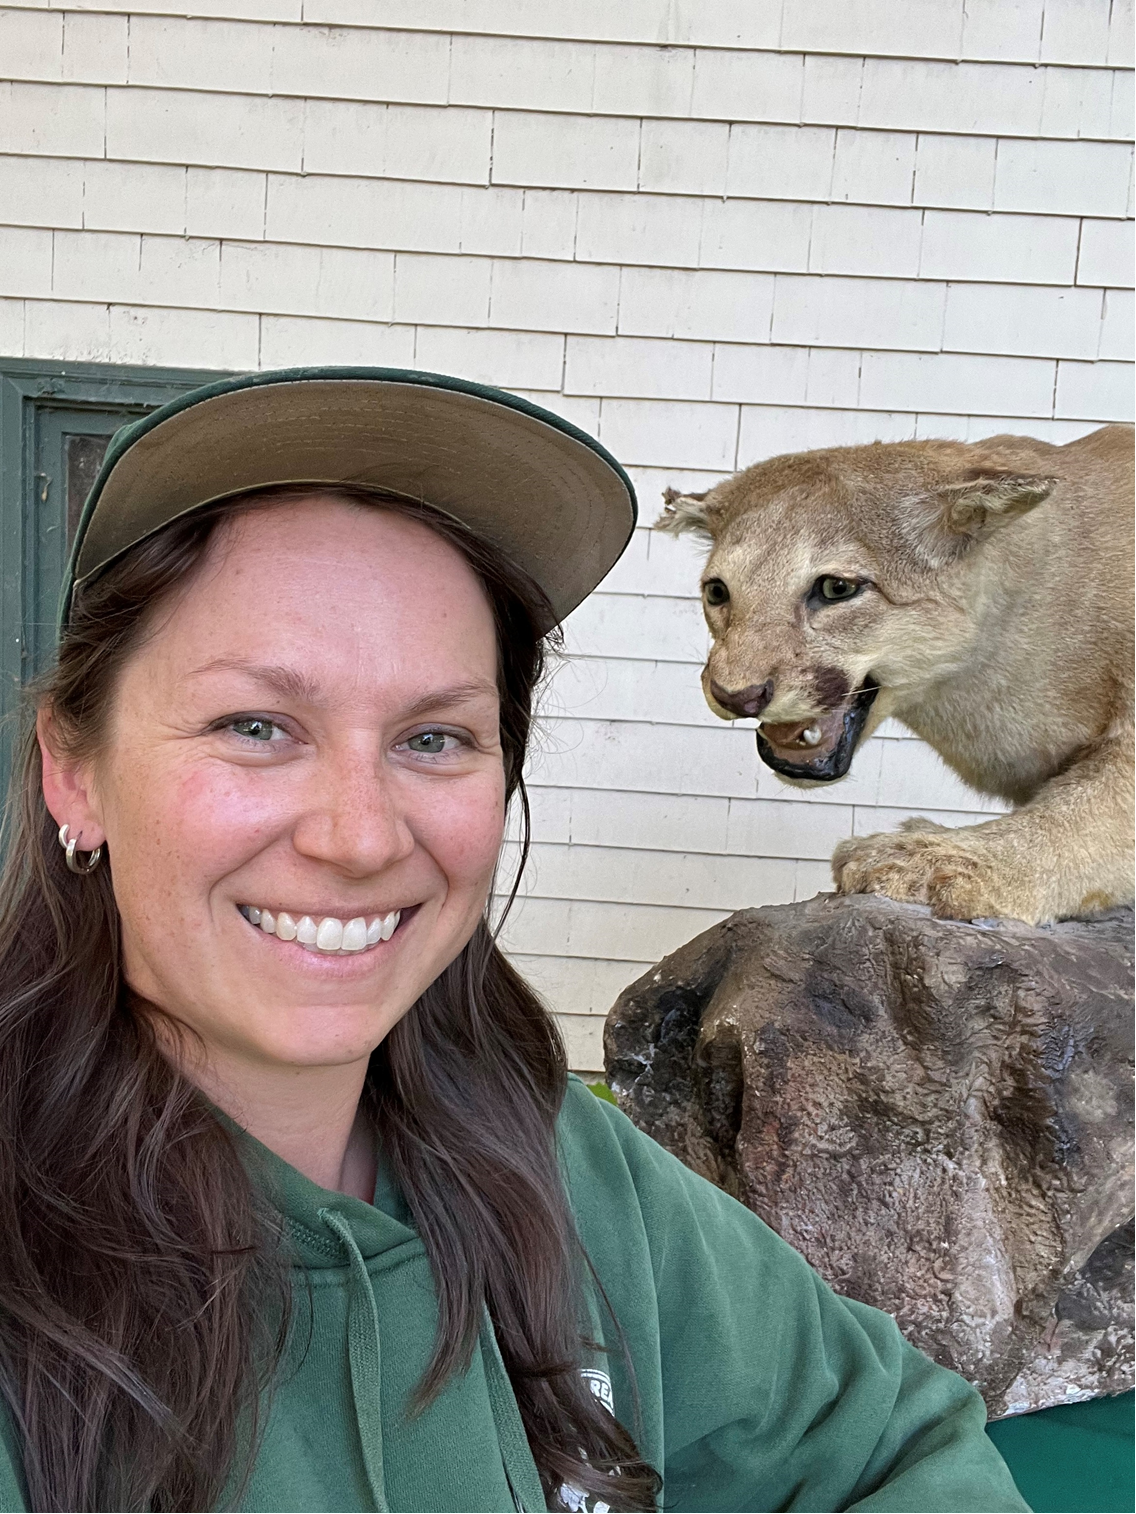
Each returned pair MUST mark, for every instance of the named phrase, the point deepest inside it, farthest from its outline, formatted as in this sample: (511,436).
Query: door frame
(30,389)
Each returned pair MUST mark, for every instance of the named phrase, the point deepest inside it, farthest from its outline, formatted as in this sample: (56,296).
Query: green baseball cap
(540,489)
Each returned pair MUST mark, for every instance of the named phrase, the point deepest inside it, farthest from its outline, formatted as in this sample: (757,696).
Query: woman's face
(310,732)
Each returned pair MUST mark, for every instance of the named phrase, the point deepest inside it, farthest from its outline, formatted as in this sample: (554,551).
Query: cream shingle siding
(706,230)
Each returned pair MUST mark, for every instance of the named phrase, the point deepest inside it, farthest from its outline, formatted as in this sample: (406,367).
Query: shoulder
(600,1146)
(586,1124)
(640,1213)
(601,1151)
(620,1182)
(608,1168)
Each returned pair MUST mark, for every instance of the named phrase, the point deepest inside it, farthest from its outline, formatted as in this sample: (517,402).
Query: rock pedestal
(938,1114)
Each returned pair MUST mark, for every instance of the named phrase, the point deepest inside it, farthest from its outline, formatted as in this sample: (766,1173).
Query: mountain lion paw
(958,875)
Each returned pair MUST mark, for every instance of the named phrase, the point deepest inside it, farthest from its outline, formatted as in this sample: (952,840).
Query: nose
(355,821)
(745,703)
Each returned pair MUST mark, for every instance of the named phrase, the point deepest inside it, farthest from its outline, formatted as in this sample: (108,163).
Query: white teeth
(810,736)
(329,934)
(354,935)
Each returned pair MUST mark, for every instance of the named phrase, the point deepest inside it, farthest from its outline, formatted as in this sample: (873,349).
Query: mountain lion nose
(743,702)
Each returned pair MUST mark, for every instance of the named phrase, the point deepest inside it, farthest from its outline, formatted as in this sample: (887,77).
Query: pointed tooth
(810,736)
(267,923)
(390,924)
(252,914)
(285,926)
(329,934)
(354,935)
(375,931)
(306,930)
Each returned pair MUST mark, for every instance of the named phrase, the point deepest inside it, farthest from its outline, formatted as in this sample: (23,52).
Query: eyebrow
(291,683)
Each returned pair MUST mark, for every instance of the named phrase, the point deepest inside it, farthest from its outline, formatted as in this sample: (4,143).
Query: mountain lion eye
(831,588)
(714,591)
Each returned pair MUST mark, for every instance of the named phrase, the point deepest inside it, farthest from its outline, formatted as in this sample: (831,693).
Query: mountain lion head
(841,583)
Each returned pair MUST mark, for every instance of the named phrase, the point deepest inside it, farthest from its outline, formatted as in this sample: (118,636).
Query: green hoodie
(758,1388)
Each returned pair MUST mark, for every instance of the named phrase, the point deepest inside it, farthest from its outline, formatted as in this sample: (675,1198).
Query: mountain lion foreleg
(1067,852)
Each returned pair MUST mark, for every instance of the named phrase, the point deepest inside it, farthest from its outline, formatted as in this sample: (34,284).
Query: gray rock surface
(938,1114)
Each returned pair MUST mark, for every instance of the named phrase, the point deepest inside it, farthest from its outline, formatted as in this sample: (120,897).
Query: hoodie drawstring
(364,1351)
(520,1469)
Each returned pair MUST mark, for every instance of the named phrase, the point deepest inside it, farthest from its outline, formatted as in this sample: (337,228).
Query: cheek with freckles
(462,830)
(179,830)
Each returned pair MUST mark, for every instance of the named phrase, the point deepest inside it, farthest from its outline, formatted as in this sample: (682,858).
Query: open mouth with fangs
(819,749)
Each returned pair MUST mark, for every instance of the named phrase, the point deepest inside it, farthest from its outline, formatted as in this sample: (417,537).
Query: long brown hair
(128,1219)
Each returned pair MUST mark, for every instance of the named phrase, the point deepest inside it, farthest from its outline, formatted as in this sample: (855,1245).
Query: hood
(364,1321)
(378,1230)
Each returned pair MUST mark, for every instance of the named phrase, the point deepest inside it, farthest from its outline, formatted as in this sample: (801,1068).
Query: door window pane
(83,457)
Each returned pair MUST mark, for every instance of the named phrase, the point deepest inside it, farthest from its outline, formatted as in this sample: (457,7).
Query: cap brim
(548,495)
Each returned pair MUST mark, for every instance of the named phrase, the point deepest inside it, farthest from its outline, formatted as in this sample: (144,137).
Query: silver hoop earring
(69,846)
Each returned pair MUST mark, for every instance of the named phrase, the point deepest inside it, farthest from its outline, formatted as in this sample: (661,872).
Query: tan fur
(997,623)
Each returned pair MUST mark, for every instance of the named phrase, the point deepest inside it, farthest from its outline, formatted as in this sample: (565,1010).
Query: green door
(56,420)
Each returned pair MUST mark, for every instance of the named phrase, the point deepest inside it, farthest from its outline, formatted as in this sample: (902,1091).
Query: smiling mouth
(819,749)
(327,936)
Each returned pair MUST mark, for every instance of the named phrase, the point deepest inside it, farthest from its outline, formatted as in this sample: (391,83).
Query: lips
(819,749)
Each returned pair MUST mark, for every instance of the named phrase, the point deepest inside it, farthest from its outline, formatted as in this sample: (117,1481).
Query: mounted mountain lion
(979,592)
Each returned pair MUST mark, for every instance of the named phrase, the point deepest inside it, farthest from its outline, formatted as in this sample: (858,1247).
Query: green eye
(429,743)
(254,729)
(714,592)
(832,588)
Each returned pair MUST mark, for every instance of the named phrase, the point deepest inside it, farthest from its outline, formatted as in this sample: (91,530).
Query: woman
(300,1208)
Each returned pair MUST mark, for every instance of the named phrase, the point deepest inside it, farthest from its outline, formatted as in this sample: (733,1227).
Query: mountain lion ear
(961,512)
(685,512)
